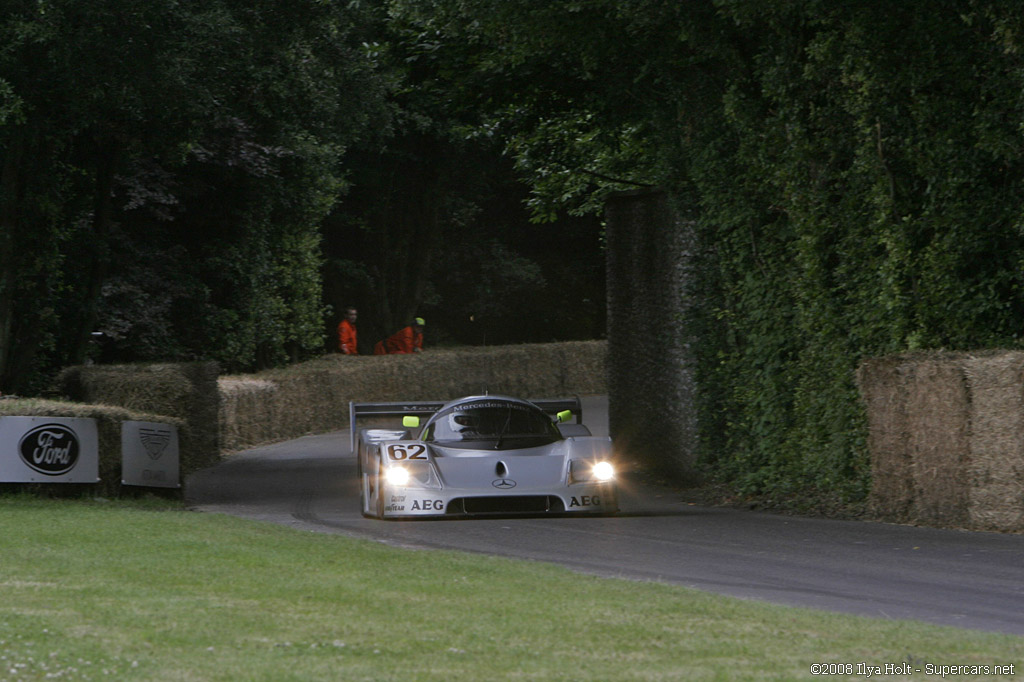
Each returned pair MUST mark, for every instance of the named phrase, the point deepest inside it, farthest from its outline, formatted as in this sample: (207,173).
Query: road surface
(965,579)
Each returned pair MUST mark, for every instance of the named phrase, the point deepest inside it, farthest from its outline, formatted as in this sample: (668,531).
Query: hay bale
(246,411)
(883,384)
(938,425)
(186,391)
(997,506)
(145,388)
(524,371)
(313,397)
(946,438)
(995,472)
(584,367)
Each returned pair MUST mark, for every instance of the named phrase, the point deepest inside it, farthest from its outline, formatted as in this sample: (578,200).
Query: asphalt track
(964,579)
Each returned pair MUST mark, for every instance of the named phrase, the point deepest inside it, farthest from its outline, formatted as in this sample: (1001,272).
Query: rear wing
(357,411)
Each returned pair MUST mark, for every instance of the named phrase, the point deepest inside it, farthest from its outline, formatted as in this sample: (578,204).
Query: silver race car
(482,455)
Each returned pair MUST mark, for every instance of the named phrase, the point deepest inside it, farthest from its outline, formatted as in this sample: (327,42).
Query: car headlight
(603,471)
(581,471)
(397,475)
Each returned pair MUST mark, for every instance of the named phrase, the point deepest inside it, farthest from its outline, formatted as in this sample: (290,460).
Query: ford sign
(51,449)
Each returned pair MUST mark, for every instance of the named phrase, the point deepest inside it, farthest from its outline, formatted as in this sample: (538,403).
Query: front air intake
(506,504)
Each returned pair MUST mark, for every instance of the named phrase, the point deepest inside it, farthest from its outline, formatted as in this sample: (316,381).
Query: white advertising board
(149,455)
(48,450)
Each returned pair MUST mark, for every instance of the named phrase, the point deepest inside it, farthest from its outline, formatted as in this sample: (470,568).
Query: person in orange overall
(404,341)
(347,333)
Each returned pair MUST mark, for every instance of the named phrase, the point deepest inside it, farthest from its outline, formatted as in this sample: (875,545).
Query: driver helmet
(462,422)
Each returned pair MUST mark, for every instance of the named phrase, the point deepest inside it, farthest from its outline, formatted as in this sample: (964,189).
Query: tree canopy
(175,157)
(207,180)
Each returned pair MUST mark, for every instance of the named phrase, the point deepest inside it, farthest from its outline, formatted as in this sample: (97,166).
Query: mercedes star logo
(504,483)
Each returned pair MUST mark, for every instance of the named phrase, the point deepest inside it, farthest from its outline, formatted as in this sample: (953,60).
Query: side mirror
(564,416)
(410,422)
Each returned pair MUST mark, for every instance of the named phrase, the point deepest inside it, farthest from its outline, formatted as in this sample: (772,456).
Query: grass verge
(145,591)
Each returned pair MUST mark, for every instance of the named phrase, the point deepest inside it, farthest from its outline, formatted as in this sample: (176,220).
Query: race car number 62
(402,452)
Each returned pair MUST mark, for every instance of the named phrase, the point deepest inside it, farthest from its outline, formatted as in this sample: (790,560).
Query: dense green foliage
(165,169)
(435,225)
(213,180)
(865,203)
(853,169)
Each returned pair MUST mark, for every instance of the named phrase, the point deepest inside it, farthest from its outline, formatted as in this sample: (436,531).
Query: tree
(427,228)
(591,97)
(120,114)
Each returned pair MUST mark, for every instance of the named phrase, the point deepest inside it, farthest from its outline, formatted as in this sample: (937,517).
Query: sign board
(149,455)
(48,450)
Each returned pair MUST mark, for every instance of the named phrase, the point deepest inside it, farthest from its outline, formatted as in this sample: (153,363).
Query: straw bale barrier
(946,438)
(108,427)
(313,397)
(882,383)
(217,415)
(183,391)
(996,468)
(938,410)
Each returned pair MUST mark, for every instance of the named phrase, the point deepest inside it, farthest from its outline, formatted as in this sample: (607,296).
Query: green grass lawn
(146,591)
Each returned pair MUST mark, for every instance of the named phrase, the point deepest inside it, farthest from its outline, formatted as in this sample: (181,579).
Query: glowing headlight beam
(603,471)
(397,475)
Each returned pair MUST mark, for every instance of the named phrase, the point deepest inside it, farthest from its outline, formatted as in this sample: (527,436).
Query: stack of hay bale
(313,397)
(946,437)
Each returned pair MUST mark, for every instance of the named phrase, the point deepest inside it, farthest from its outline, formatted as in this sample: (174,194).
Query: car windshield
(497,424)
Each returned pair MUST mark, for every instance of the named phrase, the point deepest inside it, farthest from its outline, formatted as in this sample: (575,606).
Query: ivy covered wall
(859,192)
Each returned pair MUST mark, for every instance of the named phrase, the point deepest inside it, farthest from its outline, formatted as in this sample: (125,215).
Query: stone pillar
(651,387)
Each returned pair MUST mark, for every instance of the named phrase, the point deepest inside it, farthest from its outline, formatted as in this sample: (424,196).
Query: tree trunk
(8,276)
(99,262)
